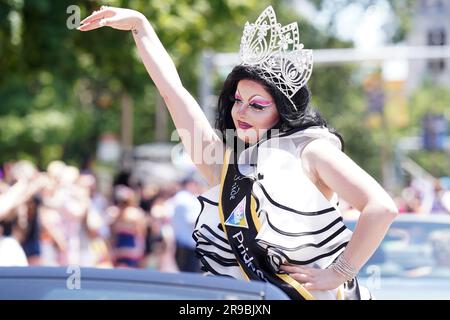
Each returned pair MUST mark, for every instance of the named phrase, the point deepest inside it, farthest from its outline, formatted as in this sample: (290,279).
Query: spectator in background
(58,218)
(19,215)
(53,236)
(148,193)
(425,196)
(94,231)
(72,204)
(98,203)
(27,230)
(162,257)
(186,209)
(413,201)
(128,229)
(439,203)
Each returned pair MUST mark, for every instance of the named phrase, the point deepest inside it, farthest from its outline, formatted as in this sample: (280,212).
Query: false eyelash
(253,105)
(257,106)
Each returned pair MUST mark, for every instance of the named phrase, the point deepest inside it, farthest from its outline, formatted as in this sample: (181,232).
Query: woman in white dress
(275,169)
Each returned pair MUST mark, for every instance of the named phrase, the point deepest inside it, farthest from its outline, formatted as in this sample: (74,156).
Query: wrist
(339,278)
(139,23)
(343,268)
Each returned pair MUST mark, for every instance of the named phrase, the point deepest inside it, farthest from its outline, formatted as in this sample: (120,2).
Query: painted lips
(243,125)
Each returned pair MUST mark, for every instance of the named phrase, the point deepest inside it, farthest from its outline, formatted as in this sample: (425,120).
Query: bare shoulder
(331,167)
(323,151)
(318,150)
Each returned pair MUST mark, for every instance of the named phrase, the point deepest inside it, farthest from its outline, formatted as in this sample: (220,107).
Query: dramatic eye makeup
(261,102)
(257,103)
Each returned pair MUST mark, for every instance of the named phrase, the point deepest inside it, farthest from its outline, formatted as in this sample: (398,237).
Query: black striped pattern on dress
(300,234)
(312,260)
(307,245)
(281,206)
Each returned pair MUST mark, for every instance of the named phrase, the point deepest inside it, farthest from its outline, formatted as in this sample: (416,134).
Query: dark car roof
(106,281)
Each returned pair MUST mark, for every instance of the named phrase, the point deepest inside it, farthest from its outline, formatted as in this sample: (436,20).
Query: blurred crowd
(425,197)
(58,217)
(421,197)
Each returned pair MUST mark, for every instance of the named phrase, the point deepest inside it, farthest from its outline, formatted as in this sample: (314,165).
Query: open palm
(117,18)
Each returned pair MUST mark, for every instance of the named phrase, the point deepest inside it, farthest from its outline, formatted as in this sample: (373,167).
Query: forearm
(373,223)
(183,108)
(192,125)
(157,61)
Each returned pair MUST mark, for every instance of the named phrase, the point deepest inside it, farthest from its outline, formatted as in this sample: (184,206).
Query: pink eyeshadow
(261,102)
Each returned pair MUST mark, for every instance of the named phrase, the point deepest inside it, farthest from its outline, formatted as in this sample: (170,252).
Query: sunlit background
(82,123)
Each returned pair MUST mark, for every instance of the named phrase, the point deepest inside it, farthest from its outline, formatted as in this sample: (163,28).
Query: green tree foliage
(402,11)
(434,162)
(429,100)
(60,89)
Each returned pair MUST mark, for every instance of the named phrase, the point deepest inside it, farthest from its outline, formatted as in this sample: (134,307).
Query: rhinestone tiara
(277,52)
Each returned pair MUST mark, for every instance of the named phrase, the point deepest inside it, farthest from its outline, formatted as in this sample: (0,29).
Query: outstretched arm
(191,123)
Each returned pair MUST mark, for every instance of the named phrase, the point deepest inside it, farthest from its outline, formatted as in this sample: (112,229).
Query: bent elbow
(385,210)
(389,211)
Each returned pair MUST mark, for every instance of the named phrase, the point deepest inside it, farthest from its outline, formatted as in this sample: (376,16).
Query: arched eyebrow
(237,91)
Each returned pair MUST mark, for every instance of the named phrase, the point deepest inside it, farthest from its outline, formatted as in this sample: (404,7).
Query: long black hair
(304,117)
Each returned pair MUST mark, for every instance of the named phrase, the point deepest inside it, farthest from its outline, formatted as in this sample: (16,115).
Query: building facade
(430,27)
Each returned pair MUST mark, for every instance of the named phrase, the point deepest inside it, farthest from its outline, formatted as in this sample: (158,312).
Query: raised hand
(117,18)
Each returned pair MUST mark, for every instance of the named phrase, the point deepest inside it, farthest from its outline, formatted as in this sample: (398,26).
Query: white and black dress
(266,211)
